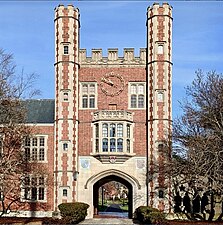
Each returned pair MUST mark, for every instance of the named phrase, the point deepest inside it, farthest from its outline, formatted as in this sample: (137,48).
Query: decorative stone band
(113,115)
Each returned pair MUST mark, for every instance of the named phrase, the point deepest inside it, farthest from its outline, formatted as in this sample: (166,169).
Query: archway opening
(112,197)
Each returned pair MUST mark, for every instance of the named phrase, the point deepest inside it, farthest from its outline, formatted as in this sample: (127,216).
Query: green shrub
(73,212)
(146,214)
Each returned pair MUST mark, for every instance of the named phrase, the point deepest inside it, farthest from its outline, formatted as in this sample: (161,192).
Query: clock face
(112,84)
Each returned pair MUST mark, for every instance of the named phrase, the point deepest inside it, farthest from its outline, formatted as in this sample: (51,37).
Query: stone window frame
(160,48)
(88,95)
(65,95)
(29,188)
(33,150)
(64,192)
(160,92)
(127,137)
(137,95)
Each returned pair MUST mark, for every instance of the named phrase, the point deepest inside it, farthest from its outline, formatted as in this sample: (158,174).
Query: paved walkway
(109,221)
(114,210)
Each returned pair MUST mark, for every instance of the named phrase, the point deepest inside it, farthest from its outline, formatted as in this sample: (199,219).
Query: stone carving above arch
(93,179)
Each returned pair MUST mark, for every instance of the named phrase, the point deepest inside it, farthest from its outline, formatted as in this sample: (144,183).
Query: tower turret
(159,81)
(66,111)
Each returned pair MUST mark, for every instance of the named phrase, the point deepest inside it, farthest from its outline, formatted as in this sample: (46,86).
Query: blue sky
(27,31)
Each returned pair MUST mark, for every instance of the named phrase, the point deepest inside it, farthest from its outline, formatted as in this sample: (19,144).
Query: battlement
(164,5)
(66,10)
(157,9)
(112,57)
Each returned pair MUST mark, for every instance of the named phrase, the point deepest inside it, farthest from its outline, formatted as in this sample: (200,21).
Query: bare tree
(13,164)
(197,164)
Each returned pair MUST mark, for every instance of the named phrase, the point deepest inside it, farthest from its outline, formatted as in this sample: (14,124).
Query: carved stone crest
(112,159)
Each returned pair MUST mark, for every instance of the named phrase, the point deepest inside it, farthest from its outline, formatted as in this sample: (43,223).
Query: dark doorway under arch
(107,179)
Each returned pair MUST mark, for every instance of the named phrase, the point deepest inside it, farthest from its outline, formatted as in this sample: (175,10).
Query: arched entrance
(106,180)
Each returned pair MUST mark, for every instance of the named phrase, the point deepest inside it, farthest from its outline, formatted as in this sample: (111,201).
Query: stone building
(109,117)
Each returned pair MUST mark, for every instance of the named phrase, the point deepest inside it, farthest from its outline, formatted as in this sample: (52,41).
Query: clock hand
(109,82)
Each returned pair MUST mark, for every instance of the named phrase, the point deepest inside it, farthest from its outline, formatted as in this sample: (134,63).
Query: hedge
(148,215)
(73,212)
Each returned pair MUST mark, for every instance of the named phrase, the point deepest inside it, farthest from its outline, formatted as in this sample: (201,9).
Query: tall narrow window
(92,101)
(65,146)
(141,101)
(133,101)
(34,154)
(105,130)
(64,192)
(128,145)
(160,96)
(97,130)
(160,49)
(112,130)
(41,154)
(120,145)
(119,130)
(112,145)
(161,194)
(97,137)
(27,154)
(97,145)
(105,144)
(41,193)
(65,96)
(85,101)
(128,130)
(65,50)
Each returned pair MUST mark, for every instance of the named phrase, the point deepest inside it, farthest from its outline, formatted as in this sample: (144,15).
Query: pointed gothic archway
(97,180)
(107,179)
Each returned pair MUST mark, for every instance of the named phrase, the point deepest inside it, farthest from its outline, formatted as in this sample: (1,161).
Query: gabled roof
(40,110)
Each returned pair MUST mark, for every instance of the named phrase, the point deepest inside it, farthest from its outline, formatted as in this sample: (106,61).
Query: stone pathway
(114,208)
(108,221)
(114,211)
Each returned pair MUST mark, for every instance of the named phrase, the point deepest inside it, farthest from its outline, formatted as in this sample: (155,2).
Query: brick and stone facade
(112,114)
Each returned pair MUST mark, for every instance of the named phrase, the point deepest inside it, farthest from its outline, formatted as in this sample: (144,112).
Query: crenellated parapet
(112,57)
(156,10)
